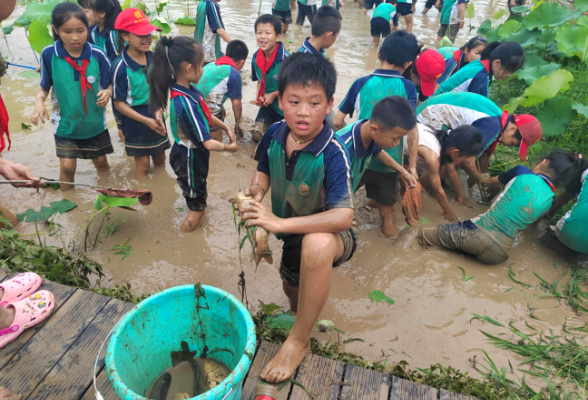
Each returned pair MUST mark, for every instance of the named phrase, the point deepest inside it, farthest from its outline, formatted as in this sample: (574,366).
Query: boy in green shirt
(308,172)
(282,10)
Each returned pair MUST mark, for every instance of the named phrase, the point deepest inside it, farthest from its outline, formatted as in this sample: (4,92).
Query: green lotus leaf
(8,29)
(555,114)
(520,9)
(513,104)
(39,36)
(581,5)
(524,37)
(61,206)
(508,28)
(161,22)
(41,12)
(532,59)
(469,11)
(530,75)
(123,202)
(281,321)
(493,35)
(571,40)
(162,5)
(581,108)
(582,21)
(126,4)
(379,296)
(499,14)
(548,15)
(445,42)
(22,21)
(190,21)
(547,87)
(484,28)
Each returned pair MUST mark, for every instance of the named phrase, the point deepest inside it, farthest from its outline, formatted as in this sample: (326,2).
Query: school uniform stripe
(192,118)
(348,165)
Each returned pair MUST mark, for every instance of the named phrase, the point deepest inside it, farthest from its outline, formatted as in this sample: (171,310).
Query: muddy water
(430,320)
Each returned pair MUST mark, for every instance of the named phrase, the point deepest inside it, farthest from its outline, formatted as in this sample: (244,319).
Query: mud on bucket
(140,347)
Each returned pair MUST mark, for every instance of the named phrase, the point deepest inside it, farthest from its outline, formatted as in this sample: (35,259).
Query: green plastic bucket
(140,347)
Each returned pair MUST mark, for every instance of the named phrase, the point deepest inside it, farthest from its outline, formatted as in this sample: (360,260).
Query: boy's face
(138,43)
(240,64)
(508,138)
(266,37)
(388,138)
(305,108)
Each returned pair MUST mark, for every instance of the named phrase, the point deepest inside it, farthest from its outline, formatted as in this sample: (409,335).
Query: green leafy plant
(102,206)
(464,277)
(555,114)
(378,296)
(56,207)
(122,250)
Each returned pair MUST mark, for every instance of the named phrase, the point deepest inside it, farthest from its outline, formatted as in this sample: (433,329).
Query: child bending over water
(177,63)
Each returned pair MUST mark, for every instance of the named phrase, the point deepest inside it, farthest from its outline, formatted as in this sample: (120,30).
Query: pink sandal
(27,313)
(19,287)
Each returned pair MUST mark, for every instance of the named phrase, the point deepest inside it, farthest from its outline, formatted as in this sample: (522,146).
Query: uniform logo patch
(91,79)
(304,190)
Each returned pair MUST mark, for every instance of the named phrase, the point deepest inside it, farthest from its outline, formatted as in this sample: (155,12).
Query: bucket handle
(227,395)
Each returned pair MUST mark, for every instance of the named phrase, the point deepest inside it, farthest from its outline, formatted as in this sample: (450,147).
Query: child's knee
(318,243)
(67,166)
(101,163)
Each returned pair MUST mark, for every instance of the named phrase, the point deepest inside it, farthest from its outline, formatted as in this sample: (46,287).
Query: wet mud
(430,320)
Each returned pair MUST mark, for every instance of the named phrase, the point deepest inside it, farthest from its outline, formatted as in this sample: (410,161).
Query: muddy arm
(331,221)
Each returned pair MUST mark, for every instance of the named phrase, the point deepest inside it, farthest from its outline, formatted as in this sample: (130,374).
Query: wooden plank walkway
(54,360)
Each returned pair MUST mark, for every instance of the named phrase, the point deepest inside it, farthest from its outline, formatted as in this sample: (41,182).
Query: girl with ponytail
(439,151)
(498,60)
(176,69)
(461,57)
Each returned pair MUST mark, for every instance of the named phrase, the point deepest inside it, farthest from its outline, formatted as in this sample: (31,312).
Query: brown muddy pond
(430,320)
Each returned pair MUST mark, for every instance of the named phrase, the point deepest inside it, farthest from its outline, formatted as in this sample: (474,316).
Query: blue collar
(360,151)
(61,52)
(316,147)
(546,178)
(97,32)
(132,64)
(387,72)
(193,93)
(310,48)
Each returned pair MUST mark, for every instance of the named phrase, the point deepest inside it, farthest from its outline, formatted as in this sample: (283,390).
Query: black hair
(510,54)
(112,8)
(269,19)
(327,19)
(63,12)
(306,68)
(564,165)
(168,57)
(237,50)
(574,185)
(473,43)
(392,112)
(399,48)
(466,138)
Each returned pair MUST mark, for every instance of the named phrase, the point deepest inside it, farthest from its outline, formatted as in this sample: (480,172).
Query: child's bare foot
(285,363)
(191,221)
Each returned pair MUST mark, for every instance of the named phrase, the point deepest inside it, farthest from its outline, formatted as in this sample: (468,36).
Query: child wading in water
(80,77)
(145,134)
(177,63)
(312,206)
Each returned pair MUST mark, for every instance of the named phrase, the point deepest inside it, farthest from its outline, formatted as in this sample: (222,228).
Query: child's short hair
(393,112)
(327,19)
(63,12)
(305,68)
(399,48)
(237,50)
(269,19)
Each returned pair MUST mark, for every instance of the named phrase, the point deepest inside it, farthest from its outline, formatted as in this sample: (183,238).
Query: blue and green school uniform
(332,3)
(360,157)
(282,11)
(451,110)
(453,63)
(525,198)
(447,51)
(272,114)
(306,9)
(219,83)
(80,131)
(404,7)
(309,48)
(189,158)
(208,20)
(105,41)
(129,84)
(449,14)
(384,15)
(367,91)
(475,77)
(571,229)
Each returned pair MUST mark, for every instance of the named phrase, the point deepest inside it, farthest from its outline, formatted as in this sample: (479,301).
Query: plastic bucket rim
(237,374)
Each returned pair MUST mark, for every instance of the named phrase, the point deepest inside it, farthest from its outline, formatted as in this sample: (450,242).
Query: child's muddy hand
(450,216)
(40,112)
(409,179)
(156,126)
(231,136)
(485,178)
(257,215)
(103,98)
(256,192)
(464,202)
(231,147)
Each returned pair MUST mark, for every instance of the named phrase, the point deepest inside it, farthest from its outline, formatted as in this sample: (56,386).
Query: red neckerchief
(226,60)
(83,80)
(503,123)
(486,64)
(457,56)
(3,126)
(264,67)
(202,103)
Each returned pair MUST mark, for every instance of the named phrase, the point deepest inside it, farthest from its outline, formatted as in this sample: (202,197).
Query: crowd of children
(420,117)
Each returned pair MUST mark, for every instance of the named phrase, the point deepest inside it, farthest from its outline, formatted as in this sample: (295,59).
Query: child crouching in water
(177,63)
(527,195)
(80,77)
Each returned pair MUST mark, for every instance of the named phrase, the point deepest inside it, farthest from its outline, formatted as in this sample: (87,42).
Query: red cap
(531,132)
(430,66)
(134,21)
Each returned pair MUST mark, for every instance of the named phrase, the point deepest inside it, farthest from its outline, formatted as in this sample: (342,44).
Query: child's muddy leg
(142,165)
(388,227)
(101,163)
(9,216)
(121,136)
(67,172)
(291,293)
(159,159)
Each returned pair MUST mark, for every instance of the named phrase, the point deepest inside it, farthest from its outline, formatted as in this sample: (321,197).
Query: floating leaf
(530,75)
(39,36)
(61,206)
(122,250)
(281,321)
(499,14)
(547,87)
(464,277)
(180,209)
(269,309)
(379,296)
(469,11)
(485,28)
(582,110)
(425,220)
(571,40)
(508,28)
(190,21)
(25,126)
(555,114)
(30,74)
(548,15)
